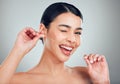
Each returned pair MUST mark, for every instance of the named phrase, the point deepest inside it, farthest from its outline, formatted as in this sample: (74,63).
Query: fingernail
(85,57)
(94,59)
(99,59)
(91,61)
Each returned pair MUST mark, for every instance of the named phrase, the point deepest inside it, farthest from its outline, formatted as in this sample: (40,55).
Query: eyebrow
(67,26)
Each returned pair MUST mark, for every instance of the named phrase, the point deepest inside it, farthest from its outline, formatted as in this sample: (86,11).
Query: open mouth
(66,50)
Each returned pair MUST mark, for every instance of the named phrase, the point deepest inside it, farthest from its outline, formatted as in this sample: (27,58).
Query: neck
(50,64)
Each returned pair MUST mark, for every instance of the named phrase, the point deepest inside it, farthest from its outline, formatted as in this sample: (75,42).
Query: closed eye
(63,30)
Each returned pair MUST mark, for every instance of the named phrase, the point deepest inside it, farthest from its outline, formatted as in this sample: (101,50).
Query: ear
(42,29)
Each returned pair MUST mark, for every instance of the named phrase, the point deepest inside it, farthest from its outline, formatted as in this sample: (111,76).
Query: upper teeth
(68,48)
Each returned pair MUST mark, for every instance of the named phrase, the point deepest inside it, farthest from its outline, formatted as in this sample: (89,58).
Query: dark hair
(56,9)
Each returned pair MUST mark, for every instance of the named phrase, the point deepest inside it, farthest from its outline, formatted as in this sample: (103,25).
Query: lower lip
(65,52)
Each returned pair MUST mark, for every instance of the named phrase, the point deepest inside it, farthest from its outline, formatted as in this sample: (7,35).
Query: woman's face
(63,36)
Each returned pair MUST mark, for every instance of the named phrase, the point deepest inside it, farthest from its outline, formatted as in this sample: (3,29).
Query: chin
(63,58)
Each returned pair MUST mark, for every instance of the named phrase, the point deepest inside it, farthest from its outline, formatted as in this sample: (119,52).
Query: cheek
(78,41)
(55,37)
(58,36)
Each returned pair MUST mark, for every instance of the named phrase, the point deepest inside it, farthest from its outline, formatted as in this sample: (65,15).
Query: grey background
(100,30)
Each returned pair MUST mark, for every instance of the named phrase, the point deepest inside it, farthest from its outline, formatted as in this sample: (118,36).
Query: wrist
(102,82)
(17,51)
(20,50)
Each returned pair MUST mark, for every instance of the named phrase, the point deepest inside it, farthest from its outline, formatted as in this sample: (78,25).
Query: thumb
(38,36)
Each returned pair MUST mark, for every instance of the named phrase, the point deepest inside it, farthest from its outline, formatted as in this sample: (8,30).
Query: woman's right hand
(27,39)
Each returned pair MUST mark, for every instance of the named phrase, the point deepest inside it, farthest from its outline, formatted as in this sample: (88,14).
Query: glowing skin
(60,41)
(64,33)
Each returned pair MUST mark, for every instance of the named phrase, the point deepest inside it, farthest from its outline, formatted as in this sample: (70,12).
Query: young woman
(60,31)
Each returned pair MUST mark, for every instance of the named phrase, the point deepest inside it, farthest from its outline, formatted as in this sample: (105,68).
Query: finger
(38,36)
(25,29)
(87,60)
(102,58)
(28,29)
(95,59)
(31,33)
(99,58)
(91,58)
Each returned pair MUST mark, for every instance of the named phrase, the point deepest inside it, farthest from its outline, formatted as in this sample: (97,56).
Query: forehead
(68,19)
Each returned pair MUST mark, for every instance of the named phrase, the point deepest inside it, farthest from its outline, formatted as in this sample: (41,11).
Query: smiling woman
(60,31)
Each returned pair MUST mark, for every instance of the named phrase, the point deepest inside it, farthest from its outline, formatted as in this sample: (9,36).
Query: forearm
(10,64)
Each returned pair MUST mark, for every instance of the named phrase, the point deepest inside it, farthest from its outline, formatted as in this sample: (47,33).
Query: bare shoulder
(83,73)
(18,78)
(80,69)
(26,78)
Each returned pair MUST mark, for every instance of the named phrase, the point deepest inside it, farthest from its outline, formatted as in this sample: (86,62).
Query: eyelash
(79,33)
(63,30)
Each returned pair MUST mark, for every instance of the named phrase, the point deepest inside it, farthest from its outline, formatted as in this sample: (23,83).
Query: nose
(71,38)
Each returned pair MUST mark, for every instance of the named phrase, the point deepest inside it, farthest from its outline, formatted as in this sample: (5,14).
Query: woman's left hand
(97,68)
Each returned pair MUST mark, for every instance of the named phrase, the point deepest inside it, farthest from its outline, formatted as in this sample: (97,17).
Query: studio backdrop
(101,30)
